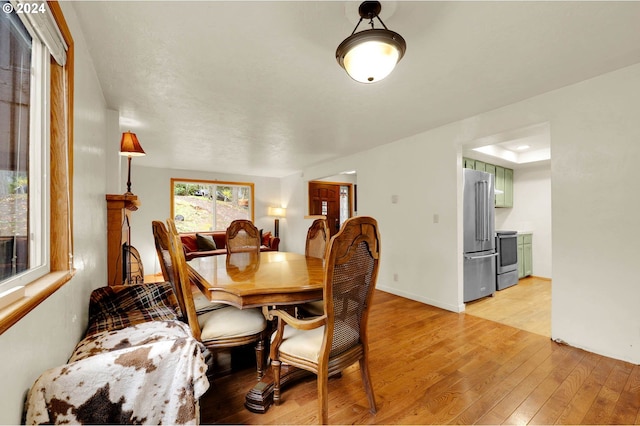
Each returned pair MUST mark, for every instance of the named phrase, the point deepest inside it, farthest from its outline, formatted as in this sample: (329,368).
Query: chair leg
(323,396)
(260,355)
(366,380)
(275,365)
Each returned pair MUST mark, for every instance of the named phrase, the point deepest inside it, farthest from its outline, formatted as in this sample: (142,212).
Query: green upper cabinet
(468,163)
(499,184)
(508,188)
(503,180)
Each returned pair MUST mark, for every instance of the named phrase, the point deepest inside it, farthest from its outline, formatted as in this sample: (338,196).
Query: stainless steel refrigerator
(479,239)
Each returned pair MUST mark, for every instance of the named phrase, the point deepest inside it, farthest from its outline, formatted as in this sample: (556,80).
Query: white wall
(594,144)
(422,172)
(531,212)
(595,202)
(153,188)
(46,336)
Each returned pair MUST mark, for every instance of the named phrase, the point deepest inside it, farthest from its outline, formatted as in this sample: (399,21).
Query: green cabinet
(508,188)
(490,168)
(499,185)
(525,255)
(503,180)
(468,163)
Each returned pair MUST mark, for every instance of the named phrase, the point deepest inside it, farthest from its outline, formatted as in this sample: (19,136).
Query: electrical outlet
(395,277)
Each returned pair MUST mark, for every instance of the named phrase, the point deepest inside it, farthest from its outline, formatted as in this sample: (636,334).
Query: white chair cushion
(231,322)
(205,305)
(304,344)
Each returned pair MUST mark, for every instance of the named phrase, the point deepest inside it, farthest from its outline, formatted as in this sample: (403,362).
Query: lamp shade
(277,211)
(129,145)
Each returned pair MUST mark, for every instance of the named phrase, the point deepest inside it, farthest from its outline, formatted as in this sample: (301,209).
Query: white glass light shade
(371,61)
(371,55)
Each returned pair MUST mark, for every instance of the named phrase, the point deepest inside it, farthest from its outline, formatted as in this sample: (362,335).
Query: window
(201,205)
(36,160)
(23,160)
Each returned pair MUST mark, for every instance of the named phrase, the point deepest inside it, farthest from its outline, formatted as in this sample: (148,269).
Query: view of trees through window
(210,205)
(15,98)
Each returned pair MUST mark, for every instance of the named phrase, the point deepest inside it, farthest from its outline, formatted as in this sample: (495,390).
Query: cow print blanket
(150,373)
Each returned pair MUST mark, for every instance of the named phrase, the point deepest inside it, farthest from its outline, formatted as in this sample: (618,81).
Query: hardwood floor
(431,366)
(526,306)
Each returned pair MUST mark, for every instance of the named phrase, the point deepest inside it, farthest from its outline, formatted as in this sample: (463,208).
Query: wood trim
(61,225)
(60,246)
(36,293)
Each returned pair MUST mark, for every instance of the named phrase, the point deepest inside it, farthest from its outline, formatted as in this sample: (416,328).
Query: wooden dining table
(263,279)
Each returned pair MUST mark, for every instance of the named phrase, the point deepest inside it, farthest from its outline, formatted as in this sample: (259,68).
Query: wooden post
(118,209)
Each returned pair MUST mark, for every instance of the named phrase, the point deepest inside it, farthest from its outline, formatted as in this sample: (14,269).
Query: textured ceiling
(254,87)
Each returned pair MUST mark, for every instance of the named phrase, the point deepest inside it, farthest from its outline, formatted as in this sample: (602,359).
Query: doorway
(333,200)
(529,156)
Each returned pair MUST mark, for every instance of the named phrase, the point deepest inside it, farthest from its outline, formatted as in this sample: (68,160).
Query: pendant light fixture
(370,55)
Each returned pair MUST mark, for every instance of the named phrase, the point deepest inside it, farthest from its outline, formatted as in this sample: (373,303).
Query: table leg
(260,397)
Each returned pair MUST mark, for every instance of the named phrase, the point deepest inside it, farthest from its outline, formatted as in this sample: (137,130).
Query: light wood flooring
(526,306)
(431,366)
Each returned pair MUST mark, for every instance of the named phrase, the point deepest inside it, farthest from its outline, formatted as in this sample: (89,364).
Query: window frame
(38,173)
(59,126)
(250,185)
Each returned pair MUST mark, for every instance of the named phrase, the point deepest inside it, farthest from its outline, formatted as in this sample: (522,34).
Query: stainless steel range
(507,260)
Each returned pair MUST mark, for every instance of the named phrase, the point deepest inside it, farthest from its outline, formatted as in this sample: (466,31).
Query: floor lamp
(277,212)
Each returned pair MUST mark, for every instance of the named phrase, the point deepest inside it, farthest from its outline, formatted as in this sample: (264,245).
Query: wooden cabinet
(525,256)
(503,180)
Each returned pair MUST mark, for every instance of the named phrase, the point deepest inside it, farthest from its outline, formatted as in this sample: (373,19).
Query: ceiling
(254,87)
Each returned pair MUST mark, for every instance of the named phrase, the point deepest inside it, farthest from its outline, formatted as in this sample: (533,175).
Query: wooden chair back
(161,239)
(351,272)
(243,236)
(183,283)
(317,238)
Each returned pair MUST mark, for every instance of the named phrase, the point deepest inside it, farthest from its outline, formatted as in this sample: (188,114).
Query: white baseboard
(418,298)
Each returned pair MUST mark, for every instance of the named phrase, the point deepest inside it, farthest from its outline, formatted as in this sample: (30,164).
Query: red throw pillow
(266,238)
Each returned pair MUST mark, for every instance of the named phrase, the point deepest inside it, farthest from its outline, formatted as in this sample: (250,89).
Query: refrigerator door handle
(484,256)
(482,211)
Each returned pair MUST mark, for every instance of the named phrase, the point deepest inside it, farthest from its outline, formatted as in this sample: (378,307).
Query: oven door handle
(481,257)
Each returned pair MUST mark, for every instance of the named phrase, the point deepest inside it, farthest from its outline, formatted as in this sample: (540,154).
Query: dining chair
(161,239)
(243,236)
(327,344)
(221,328)
(315,246)
(317,238)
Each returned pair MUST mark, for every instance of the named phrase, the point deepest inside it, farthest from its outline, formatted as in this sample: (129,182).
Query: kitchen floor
(526,306)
